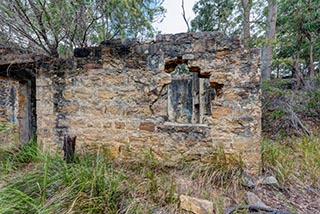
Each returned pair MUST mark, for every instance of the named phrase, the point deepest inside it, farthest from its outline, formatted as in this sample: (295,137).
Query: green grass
(220,168)
(293,160)
(42,183)
(89,186)
(35,182)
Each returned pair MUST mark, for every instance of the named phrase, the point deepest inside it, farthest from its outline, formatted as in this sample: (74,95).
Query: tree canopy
(288,31)
(213,16)
(56,27)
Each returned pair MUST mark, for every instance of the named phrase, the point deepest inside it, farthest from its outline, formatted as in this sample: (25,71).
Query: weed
(276,114)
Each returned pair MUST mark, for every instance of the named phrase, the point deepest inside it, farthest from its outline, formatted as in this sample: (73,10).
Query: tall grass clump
(91,185)
(297,160)
(220,168)
(155,182)
(13,156)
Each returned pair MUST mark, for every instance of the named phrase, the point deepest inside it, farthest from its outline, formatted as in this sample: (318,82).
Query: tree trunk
(311,65)
(246,6)
(184,16)
(297,72)
(267,50)
(69,148)
(310,38)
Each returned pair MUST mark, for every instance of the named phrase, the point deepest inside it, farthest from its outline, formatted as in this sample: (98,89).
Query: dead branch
(184,16)
(296,122)
(255,208)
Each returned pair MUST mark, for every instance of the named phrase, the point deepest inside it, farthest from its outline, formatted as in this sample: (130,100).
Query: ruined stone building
(129,97)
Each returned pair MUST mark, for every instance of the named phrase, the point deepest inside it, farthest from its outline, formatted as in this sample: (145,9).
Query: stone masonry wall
(15,106)
(124,96)
(9,105)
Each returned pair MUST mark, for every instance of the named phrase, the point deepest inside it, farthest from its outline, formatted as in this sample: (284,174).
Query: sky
(173,22)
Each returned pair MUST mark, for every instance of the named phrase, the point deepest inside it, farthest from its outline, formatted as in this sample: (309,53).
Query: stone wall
(15,107)
(9,104)
(126,96)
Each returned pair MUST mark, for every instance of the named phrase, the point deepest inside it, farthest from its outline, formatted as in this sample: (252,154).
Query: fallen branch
(255,208)
(296,122)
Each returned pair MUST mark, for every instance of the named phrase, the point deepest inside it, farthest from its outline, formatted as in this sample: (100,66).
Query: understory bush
(288,112)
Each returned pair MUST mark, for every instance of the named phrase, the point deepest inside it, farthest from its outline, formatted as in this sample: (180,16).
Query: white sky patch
(173,22)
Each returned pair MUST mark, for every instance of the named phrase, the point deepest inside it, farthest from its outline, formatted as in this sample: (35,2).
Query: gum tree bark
(246,6)
(267,50)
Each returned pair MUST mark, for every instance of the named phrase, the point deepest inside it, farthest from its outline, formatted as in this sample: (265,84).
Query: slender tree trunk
(184,16)
(297,73)
(267,50)
(311,65)
(246,6)
(310,38)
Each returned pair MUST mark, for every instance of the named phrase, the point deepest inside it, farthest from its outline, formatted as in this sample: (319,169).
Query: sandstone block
(147,126)
(270,180)
(196,205)
(119,125)
(83,93)
(104,94)
(43,82)
(221,112)
(188,56)
(91,66)
(253,199)
(134,139)
(70,109)
(67,94)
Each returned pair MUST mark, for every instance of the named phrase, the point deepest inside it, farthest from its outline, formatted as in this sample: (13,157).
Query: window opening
(189,94)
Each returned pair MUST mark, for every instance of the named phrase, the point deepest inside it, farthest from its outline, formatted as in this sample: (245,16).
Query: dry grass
(293,161)
(33,182)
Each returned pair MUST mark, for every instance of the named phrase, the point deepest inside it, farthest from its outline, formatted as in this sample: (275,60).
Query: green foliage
(284,111)
(181,70)
(56,27)
(90,186)
(298,18)
(213,15)
(13,156)
(93,184)
(275,115)
(313,104)
(4,127)
(27,153)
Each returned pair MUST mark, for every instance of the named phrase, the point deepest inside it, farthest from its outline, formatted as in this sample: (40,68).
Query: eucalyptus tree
(298,34)
(55,27)
(246,8)
(240,17)
(213,15)
(267,51)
